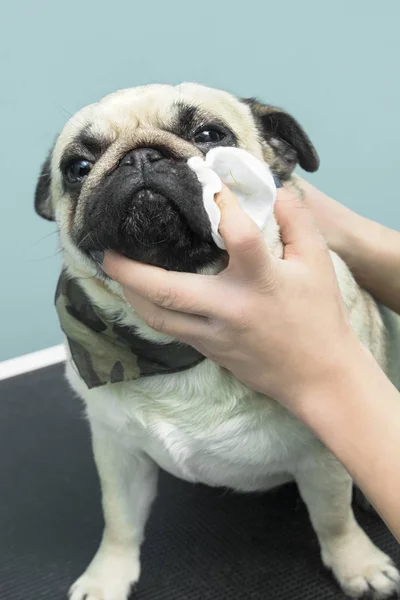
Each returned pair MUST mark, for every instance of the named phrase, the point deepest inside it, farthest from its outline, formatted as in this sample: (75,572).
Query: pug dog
(118,178)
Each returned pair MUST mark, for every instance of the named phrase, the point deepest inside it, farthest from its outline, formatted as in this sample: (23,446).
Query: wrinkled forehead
(160,107)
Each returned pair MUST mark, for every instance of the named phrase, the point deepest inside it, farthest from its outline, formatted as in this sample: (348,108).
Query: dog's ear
(284,134)
(43,201)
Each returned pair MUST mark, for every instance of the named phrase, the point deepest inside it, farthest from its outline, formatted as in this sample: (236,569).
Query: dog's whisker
(84,239)
(45,237)
(70,117)
(35,260)
(150,245)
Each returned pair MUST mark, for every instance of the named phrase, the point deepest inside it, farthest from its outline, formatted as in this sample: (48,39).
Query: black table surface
(201,543)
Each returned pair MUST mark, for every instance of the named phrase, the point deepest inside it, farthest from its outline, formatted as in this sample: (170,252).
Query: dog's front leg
(358,565)
(128,482)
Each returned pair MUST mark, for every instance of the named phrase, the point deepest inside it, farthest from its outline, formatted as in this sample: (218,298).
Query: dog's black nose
(140,156)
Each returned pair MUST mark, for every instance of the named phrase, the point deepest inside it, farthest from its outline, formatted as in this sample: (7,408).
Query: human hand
(279,325)
(337,223)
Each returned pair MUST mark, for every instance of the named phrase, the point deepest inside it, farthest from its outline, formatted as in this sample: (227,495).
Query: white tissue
(249,179)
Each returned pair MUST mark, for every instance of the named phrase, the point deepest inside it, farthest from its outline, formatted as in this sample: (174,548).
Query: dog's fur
(201,424)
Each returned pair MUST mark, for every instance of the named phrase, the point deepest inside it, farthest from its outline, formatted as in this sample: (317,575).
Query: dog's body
(201,424)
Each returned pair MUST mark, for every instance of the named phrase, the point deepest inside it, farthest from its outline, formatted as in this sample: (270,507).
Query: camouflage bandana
(105,352)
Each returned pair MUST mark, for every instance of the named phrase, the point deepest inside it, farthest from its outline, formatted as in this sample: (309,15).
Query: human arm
(357,416)
(371,250)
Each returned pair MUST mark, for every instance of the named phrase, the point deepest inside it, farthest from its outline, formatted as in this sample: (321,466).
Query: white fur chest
(202,426)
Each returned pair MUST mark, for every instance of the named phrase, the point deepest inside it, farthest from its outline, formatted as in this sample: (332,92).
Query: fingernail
(278,182)
(97,256)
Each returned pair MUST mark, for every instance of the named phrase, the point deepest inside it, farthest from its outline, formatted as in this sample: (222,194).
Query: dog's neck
(105,351)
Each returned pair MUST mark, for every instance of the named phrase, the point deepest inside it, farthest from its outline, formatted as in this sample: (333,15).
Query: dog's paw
(377,581)
(110,576)
(360,567)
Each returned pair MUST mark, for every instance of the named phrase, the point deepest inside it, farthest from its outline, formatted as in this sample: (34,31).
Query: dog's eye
(77,170)
(208,136)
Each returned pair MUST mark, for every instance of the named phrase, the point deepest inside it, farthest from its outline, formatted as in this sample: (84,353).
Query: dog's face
(117,177)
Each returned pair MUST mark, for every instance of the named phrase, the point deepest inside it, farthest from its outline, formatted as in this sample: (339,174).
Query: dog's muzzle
(150,209)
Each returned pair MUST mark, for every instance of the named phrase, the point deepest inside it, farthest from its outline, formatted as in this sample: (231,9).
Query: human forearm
(371,250)
(373,254)
(357,416)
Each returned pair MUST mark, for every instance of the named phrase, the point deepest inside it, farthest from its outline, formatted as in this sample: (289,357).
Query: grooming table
(201,543)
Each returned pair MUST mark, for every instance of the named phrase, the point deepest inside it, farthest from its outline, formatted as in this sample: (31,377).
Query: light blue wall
(335,65)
